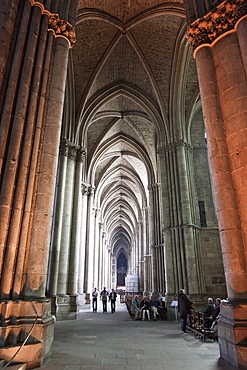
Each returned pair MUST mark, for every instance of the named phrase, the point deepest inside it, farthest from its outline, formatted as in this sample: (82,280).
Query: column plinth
(232,331)
(14,331)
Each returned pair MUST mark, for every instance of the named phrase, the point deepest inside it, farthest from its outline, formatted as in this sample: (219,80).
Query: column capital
(60,27)
(220,20)
(71,150)
(154,186)
(177,144)
(87,189)
(72,154)
(64,148)
(80,155)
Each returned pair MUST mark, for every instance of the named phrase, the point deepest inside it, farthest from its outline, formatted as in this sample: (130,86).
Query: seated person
(145,308)
(215,314)
(153,304)
(135,308)
(216,310)
(208,310)
(162,310)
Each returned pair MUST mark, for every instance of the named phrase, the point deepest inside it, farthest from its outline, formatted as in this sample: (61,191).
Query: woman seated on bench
(208,310)
(145,308)
(135,308)
(215,314)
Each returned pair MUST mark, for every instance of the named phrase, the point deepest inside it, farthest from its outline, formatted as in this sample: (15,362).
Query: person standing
(184,307)
(112,299)
(103,297)
(95,299)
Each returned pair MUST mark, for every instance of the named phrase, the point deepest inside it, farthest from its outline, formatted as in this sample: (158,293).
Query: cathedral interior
(123,129)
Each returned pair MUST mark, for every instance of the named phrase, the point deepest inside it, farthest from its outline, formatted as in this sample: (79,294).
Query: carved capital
(91,190)
(221,19)
(72,152)
(60,27)
(64,148)
(154,186)
(80,155)
(84,189)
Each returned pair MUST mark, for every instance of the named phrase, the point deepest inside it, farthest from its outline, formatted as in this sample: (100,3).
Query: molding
(223,18)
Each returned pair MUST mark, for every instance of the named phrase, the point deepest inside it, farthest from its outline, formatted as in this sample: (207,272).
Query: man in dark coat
(112,299)
(184,307)
(103,297)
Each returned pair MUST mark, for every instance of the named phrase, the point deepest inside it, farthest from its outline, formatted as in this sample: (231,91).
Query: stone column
(221,64)
(89,243)
(108,268)
(76,226)
(62,284)
(31,116)
(81,278)
(96,247)
(100,253)
(8,18)
(194,275)
(8,10)
(55,253)
(156,238)
(140,256)
(17,157)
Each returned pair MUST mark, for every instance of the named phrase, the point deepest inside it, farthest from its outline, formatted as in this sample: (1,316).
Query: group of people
(104,296)
(144,308)
(211,311)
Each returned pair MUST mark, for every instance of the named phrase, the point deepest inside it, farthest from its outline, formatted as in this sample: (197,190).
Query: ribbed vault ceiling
(133,76)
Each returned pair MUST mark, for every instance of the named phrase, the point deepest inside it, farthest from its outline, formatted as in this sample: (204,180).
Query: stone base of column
(28,325)
(87,298)
(65,307)
(232,332)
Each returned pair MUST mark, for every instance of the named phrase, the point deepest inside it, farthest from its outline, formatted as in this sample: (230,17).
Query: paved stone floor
(113,341)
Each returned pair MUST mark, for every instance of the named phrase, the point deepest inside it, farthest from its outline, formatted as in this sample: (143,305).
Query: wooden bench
(128,300)
(196,325)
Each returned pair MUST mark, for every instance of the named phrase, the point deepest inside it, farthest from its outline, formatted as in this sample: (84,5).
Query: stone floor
(113,341)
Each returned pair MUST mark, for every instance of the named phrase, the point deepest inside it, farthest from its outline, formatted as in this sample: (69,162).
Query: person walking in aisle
(103,297)
(95,299)
(112,299)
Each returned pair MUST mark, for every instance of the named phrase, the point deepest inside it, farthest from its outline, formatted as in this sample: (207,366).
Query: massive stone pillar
(219,41)
(101,255)
(158,273)
(82,250)
(64,259)
(189,224)
(146,252)
(76,226)
(89,244)
(32,76)
(181,223)
(96,256)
